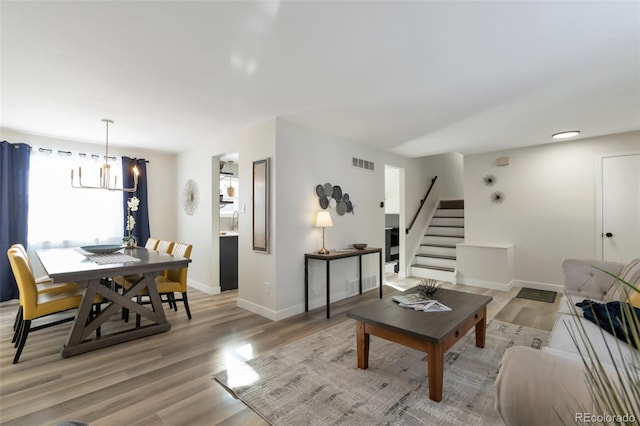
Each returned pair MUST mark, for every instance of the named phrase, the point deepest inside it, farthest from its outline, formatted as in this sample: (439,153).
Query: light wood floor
(165,379)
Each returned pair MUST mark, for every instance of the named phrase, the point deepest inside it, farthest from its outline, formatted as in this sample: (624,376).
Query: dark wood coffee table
(430,332)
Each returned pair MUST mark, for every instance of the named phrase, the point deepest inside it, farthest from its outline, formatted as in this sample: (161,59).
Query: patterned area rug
(315,381)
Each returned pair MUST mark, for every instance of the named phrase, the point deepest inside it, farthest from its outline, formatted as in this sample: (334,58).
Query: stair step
(438,251)
(442,239)
(435,261)
(437,256)
(448,221)
(445,231)
(449,213)
(438,245)
(452,204)
(437,268)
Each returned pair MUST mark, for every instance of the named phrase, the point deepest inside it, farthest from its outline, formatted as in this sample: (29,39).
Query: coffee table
(430,332)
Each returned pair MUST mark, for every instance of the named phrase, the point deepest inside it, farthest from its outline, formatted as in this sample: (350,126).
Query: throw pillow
(609,317)
(634,299)
(631,274)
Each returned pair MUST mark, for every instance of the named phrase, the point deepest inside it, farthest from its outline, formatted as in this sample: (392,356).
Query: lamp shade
(323,220)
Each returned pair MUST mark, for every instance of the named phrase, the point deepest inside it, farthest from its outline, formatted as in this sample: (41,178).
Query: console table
(333,255)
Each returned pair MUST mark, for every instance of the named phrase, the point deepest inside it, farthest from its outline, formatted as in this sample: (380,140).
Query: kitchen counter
(228,234)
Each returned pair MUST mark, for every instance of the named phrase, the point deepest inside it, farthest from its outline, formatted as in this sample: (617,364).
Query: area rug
(315,381)
(535,294)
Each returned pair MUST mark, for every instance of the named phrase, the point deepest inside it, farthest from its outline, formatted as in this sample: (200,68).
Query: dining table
(91,270)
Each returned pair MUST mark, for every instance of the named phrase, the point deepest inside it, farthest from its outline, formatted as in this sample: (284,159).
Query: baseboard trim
(539,286)
(492,285)
(270,313)
(204,288)
(256,309)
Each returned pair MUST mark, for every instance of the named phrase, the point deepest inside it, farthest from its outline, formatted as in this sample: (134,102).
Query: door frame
(402,272)
(599,207)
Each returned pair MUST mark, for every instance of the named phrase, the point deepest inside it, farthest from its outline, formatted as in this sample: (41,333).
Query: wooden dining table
(90,270)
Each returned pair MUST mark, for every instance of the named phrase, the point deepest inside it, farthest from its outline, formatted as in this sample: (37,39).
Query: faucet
(234,220)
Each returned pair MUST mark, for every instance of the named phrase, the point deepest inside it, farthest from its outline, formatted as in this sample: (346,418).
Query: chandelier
(105,172)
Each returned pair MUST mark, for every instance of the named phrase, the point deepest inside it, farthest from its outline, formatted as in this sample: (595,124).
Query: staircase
(436,257)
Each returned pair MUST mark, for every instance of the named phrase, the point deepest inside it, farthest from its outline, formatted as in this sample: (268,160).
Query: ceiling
(415,78)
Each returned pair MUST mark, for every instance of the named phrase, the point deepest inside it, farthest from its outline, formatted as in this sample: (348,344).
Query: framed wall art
(261,205)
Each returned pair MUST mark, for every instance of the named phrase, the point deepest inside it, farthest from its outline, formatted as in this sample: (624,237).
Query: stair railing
(424,200)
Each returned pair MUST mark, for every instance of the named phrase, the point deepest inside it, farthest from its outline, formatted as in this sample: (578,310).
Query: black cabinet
(229,262)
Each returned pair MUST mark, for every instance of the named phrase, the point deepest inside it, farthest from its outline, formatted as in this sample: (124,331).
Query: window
(62,216)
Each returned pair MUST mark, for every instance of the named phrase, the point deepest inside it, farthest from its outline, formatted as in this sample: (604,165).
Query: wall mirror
(261,205)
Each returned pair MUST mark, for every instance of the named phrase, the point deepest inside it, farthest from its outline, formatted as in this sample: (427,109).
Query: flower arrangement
(132,206)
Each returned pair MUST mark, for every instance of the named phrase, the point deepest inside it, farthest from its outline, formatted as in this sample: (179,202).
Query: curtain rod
(81,154)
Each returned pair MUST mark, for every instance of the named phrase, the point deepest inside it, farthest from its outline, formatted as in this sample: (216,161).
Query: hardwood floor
(166,379)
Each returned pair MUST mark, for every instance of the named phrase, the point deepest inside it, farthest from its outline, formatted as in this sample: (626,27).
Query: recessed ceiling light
(564,135)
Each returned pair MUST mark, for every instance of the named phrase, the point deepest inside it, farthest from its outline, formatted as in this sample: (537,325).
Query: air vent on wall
(362,164)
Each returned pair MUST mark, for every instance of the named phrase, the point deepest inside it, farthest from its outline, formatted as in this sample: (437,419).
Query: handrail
(424,200)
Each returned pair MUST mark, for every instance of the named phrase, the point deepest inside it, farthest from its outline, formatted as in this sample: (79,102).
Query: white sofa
(548,387)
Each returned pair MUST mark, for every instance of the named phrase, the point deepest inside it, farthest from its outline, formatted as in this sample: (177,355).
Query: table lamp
(323,220)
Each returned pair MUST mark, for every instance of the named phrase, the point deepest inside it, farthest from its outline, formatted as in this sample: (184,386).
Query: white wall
(160,170)
(549,211)
(201,229)
(307,158)
(256,268)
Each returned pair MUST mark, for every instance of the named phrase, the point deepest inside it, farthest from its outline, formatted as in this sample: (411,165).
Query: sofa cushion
(536,388)
(582,278)
(631,274)
(634,299)
(602,342)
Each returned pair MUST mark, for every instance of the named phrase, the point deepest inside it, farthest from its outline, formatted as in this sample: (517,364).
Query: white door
(621,208)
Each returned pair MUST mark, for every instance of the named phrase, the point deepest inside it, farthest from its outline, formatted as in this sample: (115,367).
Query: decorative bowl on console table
(359,246)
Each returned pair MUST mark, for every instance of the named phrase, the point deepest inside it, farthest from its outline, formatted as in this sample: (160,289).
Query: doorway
(229,220)
(394,220)
(618,230)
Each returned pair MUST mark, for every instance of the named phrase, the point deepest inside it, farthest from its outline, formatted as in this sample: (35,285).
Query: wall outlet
(267,287)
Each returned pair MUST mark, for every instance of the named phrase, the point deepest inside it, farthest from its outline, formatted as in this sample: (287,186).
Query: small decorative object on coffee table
(428,287)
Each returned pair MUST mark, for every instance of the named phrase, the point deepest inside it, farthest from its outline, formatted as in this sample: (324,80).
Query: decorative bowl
(360,246)
(102,249)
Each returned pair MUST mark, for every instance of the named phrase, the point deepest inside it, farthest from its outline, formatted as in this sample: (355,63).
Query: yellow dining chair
(129,281)
(172,281)
(44,284)
(151,244)
(164,246)
(175,280)
(34,304)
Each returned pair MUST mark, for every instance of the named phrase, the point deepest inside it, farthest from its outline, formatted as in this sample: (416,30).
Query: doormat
(539,295)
